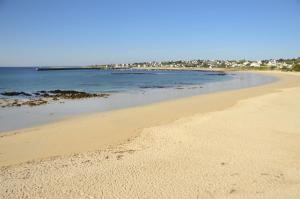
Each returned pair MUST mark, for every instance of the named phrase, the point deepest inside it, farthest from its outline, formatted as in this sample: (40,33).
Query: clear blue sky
(81,32)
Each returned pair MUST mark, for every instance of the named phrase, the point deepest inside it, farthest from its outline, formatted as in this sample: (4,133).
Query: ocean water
(126,88)
(30,80)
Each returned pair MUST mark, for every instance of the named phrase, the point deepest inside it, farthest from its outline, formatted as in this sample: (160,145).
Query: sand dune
(236,144)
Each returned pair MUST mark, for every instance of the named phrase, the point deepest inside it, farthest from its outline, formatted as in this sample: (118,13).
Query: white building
(246,63)
(272,63)
(255,64)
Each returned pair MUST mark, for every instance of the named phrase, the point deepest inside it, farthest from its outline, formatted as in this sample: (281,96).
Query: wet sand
(237,144)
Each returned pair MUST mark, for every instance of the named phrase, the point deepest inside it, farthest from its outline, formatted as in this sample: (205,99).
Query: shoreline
(14,118)
(234,144)
(65,137)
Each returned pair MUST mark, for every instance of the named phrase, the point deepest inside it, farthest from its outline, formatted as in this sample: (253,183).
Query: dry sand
(235,144)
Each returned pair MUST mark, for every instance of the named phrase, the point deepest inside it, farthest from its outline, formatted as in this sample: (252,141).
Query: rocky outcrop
(68,94)
(14,93)
(43,97)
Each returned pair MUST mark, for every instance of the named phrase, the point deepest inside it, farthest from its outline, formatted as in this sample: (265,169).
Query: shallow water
(127,96)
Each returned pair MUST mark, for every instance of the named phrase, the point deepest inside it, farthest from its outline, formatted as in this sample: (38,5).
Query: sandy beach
(234,144)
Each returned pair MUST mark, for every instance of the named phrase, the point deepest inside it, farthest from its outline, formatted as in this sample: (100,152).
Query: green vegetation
(295,63)
(296,67)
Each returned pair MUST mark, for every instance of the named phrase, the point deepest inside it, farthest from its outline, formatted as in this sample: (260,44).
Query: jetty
(62,68)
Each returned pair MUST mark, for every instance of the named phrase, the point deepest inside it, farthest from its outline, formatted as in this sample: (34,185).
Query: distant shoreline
(200,69)
(127,68)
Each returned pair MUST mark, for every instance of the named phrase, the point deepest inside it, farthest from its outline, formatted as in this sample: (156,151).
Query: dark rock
(14,93)
(42,97)
(68,94)
(45,95)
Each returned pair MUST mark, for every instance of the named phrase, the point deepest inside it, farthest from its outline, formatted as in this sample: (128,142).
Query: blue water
(30,80)
(127,88)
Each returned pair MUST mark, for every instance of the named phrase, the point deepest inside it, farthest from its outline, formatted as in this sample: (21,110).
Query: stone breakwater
(43,97)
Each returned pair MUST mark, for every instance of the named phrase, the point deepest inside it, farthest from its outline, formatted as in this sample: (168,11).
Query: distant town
(272,64)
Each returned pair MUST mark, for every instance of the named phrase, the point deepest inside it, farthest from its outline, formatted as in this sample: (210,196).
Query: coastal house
(283,65)
(246,63)
(255,64)
(272,63)
(233,65)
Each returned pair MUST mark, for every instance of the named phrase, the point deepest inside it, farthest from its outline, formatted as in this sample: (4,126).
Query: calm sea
(30,80)
(127,88)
